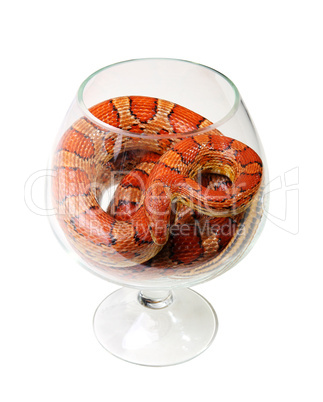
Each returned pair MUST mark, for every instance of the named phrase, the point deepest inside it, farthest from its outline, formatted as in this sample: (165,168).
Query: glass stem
(155,299)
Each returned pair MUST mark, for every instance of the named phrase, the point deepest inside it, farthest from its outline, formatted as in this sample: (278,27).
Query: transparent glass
(158,183)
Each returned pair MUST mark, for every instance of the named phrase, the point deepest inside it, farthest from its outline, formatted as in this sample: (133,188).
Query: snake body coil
(176,196)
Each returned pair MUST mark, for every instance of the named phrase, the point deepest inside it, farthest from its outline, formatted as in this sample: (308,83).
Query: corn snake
(160,194)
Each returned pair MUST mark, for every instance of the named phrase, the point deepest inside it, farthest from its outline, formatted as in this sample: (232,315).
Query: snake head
(157,204)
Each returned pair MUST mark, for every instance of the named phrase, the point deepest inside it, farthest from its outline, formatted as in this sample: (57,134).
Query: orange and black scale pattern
(156,170)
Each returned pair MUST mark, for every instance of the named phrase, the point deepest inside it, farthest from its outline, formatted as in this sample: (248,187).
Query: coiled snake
(174,195)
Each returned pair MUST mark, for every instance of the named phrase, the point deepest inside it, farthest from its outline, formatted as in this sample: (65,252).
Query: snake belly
(165,184)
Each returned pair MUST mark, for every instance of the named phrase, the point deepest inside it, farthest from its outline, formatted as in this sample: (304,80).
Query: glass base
(155,328)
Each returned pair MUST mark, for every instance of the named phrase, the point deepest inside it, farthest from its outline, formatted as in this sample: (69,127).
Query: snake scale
(174,194)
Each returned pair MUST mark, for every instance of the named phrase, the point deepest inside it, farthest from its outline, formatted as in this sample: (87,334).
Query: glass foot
(155,328)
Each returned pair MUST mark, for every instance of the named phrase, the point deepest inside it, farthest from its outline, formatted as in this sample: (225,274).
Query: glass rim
(110,128)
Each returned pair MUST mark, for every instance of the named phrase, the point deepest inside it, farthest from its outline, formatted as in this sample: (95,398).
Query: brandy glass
(142,134)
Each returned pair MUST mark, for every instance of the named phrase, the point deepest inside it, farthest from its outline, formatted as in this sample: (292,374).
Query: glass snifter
(158,178)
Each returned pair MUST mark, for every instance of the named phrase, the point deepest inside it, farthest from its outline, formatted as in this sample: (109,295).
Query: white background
(269,343)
